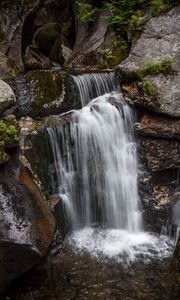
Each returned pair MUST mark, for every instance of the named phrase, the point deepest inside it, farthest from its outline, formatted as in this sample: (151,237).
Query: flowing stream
(96,169)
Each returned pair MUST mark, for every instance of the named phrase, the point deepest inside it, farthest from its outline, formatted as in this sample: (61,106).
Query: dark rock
(35,60)
(161,154)
(27,226)
(42,93)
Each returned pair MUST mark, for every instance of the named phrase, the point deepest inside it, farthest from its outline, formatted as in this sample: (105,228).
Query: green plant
(108,57)
(8,134)
(123,10)
(154,67)
(138,20)
(150,88)
(158,7)
(86,11)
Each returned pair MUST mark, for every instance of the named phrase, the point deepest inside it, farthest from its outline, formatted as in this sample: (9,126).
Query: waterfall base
(120,245)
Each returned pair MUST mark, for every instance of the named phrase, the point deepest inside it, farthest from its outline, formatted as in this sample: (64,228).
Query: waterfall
(96,171)
(93,85)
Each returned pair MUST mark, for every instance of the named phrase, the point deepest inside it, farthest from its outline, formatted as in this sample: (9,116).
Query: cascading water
(96,167)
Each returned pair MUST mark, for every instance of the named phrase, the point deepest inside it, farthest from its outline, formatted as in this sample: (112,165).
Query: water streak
(93,85)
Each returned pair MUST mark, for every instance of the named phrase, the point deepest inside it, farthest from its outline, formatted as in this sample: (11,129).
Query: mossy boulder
(46,93)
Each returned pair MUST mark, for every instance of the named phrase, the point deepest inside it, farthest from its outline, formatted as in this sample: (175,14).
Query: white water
(96,166)
(93,85)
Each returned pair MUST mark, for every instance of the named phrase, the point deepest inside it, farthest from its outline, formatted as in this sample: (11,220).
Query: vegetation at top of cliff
(125,12)
(86,11)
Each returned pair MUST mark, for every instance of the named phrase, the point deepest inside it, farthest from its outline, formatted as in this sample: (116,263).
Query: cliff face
(42,42)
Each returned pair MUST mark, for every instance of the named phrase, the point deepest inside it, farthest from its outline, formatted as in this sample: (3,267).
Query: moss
(150,88)
(152,67)
(46,87)
(9,137)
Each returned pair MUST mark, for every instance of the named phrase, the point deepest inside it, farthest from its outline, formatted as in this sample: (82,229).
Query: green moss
(152,67)
(8,134)
(46,86)
(9,137)
(150,88)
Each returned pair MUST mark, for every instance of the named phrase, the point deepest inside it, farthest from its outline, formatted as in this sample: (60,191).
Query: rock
(4,68)
(46,36)
(27,225)
(159,40)
(34,60)
(7,97)
(161,154)
(176,258)
(41,93)
(95,46)
(3,156)
(33,147)
(158,126)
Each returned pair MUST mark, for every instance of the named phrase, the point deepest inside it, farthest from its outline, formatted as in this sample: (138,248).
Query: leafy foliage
(86,11)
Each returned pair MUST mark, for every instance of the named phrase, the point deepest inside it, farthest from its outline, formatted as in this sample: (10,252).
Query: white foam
(120,244)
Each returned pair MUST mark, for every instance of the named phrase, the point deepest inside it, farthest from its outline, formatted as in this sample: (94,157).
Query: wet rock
(34,148)
(27,226)
(161,154)
(176,258)
(7,97)
(42,93)
(160,39)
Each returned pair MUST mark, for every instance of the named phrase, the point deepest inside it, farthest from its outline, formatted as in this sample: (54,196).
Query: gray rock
(7,97)
(159,39)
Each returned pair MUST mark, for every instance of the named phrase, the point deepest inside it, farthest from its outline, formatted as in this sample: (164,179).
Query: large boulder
(158,42)
(27,225)
(7,97)
(42,93)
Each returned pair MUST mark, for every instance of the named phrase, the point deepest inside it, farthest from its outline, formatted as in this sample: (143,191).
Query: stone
(161,154)
(159,39)
(34,60)
(42,93)
(7,97)
(27,225)
(158,126)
